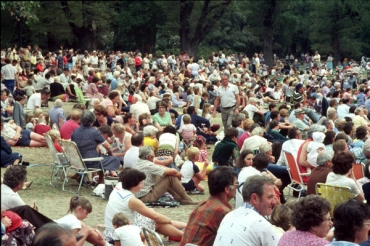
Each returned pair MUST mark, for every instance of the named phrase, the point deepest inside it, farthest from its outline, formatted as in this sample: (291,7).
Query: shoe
(25,163)
(188,202)
(296,193)
(196,192)
(27,185)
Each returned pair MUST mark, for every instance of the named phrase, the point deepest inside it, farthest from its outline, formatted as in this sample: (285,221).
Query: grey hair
(255,184)
(87,118)
(331,113)
(58,103)
(145,152)
(225,75)
(252,100)
(93,101)
(324,156)
(257,131)
(138,97)
(264,148)
(150,130)
(358,110)
(315,128)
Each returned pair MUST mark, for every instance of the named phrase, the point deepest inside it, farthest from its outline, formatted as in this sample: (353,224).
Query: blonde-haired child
(125,233)
(191,173)
(55,137)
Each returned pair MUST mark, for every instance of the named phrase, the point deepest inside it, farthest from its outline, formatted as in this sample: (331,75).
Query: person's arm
(237,103)
(303,157)
(165,160)
(60,122)
(139,206)
(110,111)
(216,102)
(108,147)
(360,197)
(172,172)
(202,173)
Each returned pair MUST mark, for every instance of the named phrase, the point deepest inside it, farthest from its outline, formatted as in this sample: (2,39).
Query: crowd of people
(152,121)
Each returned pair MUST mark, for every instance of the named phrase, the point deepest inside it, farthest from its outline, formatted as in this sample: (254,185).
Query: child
(315,146)
(55,137)
(191,173)
(41,127)
(29,88)
(125,233)
(79,208)
(187,130)
(200,143)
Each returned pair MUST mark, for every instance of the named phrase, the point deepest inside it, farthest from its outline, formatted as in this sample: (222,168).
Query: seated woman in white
(314,147)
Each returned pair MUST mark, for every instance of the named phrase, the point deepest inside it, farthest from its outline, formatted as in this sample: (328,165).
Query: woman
(189,96)
(329,140)
(342,174)
(144,92)
(168,142)
(177,102)
(122,199)
(150,137)
(197,98)
(256,140)
(246,127)
(329,63)
(122,140)
(92,90)
(85,63)
(162,118)
(144,120)
(87,140)
(131,125)
(102,117)
(245,160)
(311,218)
(110,103)
(146,62)
(358,119)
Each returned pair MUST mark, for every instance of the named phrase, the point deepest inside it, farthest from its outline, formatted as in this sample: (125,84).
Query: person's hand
(272,159)
(179,176)
(6,221)
(214,114)
(15,138)
(236,111)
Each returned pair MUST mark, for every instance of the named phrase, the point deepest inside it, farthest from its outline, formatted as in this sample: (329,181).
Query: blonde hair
(37,112)
(120,219)
(192,152)
(280,217)
(247,124)
(75,114)
(205,106)
(186,118)
(119,128)
(54,134)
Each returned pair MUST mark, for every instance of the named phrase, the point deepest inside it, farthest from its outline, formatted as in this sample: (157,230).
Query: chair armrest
(305,174)
(93,159)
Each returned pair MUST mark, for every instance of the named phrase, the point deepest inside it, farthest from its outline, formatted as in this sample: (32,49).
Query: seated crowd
(124,112)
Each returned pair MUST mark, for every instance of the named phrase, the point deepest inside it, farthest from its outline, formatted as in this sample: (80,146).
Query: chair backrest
(58,158)
(335,194)
(358,170)
(151,237)
(293,168)
(73,154)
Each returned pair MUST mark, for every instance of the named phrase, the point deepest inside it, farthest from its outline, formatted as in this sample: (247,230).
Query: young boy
(126,234)
(191,173)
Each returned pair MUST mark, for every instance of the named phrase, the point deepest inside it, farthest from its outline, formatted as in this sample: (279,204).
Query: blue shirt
(361,98)
(113,84)
(341,243)
(367,104)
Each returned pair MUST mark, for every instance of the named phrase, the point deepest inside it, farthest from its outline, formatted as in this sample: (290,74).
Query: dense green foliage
(340,27)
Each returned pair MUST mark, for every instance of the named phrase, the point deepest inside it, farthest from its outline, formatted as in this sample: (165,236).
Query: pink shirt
(67,128)
(202,155)
(294,238)
(243,137)
(106,102)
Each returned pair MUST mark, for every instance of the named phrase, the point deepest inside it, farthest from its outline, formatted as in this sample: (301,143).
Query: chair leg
(55,175)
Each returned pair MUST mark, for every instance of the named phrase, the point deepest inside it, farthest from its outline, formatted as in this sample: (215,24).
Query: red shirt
(138,61)
(242,138)
(58,147)
(40,67)
(67,128)
(41,129)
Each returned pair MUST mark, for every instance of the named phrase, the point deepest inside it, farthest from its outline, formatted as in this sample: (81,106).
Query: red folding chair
(358,170)
(295,174)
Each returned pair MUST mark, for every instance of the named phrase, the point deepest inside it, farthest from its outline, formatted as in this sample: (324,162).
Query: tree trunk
(186,8)
(86,38)
(268,44)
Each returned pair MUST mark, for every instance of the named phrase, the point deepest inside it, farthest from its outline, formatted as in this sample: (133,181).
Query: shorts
(189,186)
(25,139)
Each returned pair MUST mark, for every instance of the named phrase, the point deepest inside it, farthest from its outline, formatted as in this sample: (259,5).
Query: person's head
(258,131)
(54,234)
(186,118)
(80,206)
(150,131)
(87,118)
(118,129)
(312,213)
(259,192)
(351,221)
(75,115)
(132,179)
(222,180)
(342,162)
(280,217)
(225,79)
(275,115)
(129,118)
(260,162)
(54,134)
(294,133)
(316,128)
(45,94)
(340,145)
(136,98)
(329,137)
(245,159)
(170,129)
(114,96)
(272,106)
(247,124)
(324,158)
(274,124)
(106,131)
(58,103)
(361,132)
(253,100)
(190,110)
(349,128)
(359,111)
(137,139)
(232,133)
(299,113)
(146,153)
(14,177)
(341,135)
(119,220)
(192,153)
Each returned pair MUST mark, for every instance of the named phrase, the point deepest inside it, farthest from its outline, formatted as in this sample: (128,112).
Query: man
(319,173)
(291,146)
(272,107)
(9,74)
(36,99)
(200,123)
(299,113)
(298,94)
(169,179)
(274,132)
(343,109)
(56,114)
(55,234)
(6,108)
(205,219)
(94,60)
(70,125)
(255,112)
(65,77)
(43,82)
(138,107)
(132,154)
(226,152)
(249,222)
(228,98)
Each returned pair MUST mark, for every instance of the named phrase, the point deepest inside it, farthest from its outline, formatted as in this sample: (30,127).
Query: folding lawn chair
(358,170)
(152,238)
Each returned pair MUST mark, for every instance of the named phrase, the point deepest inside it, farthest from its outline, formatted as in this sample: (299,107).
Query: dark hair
(51,234)
(240,162)
(271,106)
(101,110)
(292,132)
(95,80)
(219,179)
(341,135)
(14,175)
(333,102)
(170,129)
(106,129)
(348,126)
(79,201)
(352,109)
(113,94)
(329,137)
(349,218)
(190,110)
(131,177)
(260,161)
(342,162)
(345,100)
(273,124)
(297,105)
(231,132)
(361,132)
(309,211)
(79,106)
(137,139)
(274,114)
(127,116)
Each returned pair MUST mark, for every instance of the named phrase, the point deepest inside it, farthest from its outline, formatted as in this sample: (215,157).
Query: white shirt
(94,60)
(292,147)
(342,180)
(131,156)
(312,152)
(227,96)
(70,221)
(253,142)
(139,108)
(188,171)
(342,111)
(63,78)
(251,109)
(8,72)
(246,227)
(128,235)
(34,101)
(9,198)
(245,173)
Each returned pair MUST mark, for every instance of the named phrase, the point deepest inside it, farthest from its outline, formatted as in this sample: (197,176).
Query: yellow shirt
(148,141)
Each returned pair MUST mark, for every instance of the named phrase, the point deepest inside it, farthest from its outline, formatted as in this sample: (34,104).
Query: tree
(21,9)
(203,19)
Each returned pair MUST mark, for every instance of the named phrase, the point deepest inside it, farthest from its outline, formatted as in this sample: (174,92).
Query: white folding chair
(152,238)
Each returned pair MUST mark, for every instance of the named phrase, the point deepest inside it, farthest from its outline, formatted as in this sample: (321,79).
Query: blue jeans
(9,84)
(280,172)
(315,117)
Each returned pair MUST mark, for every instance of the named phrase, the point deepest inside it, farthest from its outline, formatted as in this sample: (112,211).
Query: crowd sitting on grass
(151,122)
